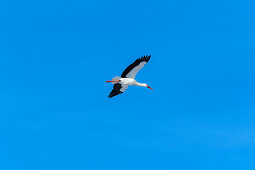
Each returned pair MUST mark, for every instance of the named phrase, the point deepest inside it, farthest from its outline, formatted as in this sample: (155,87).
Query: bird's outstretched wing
(117,89)
(132,69)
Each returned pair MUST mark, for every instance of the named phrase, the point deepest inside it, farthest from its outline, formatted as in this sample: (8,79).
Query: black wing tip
(112,95)
(145,58)
(116,90)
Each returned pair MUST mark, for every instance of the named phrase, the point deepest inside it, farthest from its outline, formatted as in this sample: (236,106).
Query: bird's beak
(150,87)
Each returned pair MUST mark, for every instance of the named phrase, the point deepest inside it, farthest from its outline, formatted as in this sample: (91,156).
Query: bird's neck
(141,84)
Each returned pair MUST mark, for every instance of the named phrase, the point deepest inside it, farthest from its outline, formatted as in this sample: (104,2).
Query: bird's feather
(117,89)
(132,69)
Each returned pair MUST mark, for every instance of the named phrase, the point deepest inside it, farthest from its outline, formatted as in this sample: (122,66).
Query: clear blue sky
(56,56)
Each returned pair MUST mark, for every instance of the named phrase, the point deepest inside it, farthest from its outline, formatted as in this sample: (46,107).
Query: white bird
(128,77)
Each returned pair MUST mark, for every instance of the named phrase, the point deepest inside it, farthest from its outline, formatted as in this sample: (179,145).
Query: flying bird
(128,77)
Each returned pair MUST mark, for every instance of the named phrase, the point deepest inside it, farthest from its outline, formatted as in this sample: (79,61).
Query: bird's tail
(115,79)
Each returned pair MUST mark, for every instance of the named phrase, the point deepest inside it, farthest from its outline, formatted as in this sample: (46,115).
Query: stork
(128,77)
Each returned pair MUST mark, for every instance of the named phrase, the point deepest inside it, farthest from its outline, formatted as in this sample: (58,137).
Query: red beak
(150,87)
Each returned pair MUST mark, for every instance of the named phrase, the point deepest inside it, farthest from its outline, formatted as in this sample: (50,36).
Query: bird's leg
(116,81)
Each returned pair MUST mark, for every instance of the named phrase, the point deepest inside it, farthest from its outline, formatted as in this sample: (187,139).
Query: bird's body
(128,81)
(128,77)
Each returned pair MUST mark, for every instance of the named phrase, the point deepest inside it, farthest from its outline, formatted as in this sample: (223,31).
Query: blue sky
(56,56)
